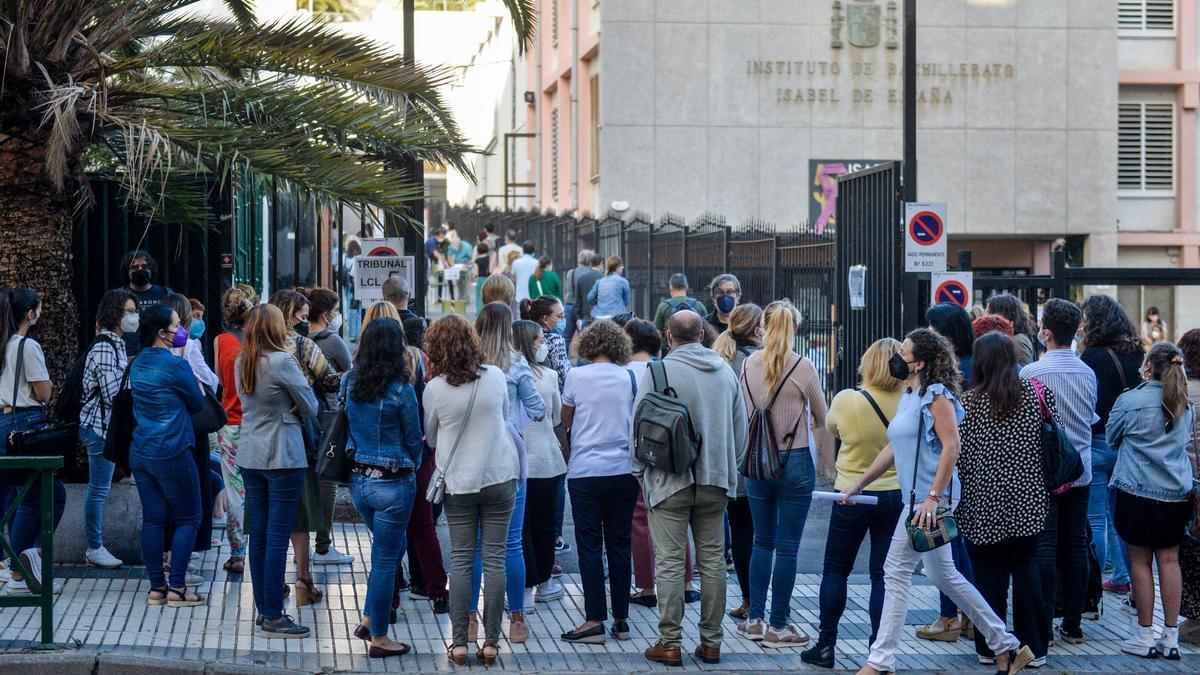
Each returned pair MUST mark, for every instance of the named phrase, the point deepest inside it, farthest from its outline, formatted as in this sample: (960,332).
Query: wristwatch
(936,497)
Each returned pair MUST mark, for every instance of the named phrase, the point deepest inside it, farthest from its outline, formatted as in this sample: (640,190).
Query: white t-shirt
(602,395)
(523,269)
(638,368)
(503,253)
(33,369)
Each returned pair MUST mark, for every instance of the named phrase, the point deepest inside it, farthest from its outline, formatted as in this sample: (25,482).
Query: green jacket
(549,285)
(672,305)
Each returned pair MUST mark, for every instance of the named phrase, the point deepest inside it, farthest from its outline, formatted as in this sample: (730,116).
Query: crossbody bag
(437,484)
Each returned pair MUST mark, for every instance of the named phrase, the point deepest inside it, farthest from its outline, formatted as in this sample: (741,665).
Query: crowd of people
(685,446)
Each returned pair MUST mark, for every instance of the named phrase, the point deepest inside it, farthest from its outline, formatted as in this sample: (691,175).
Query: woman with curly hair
(1024,329)
(1189,550)
(236,304)
(1114,351)
(465,408)
(597,416)
(924,445)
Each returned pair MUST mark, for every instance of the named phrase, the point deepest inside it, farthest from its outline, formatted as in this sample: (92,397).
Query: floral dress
(323,377)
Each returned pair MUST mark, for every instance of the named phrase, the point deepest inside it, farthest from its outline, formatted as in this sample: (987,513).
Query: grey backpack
(664,437)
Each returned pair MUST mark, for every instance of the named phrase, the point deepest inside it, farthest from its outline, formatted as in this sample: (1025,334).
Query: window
(594,88)
(554,153)
(1146,147)
(1146,17)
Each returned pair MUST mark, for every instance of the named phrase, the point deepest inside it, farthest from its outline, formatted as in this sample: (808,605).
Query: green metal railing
(42,471)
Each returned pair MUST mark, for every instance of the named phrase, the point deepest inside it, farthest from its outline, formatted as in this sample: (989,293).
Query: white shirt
(602,395)
(523,269)
(33,369)
(195,358)
(503,254)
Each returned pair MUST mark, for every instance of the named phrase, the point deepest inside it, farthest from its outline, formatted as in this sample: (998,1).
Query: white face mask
(542,353)
(129,323)
(336,324)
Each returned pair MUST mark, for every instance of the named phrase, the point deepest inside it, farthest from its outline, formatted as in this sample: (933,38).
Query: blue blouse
(902,433)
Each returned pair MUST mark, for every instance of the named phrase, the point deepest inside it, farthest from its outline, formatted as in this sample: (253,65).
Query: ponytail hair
(782,319)
(743,321)
(1166,365)
(539,308)
(15,303)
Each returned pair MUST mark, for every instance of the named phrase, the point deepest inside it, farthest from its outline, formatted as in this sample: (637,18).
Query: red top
(228,348)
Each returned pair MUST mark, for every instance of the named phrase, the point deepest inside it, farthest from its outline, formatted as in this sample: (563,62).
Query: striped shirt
(1074,387)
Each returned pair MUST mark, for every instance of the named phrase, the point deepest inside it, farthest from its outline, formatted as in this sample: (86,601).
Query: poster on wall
(823,187)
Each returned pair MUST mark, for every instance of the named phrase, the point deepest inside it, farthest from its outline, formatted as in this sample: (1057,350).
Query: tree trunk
(35,245)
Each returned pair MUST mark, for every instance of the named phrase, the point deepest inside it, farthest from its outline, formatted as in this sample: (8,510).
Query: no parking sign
(925,237)
(955,287)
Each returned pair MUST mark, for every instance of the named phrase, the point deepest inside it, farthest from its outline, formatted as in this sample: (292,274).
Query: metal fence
(770,261)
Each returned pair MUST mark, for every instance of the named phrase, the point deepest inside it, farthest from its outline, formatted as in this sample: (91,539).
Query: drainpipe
(573,90)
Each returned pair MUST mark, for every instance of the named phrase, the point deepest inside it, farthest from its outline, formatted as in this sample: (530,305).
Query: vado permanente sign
(925,237)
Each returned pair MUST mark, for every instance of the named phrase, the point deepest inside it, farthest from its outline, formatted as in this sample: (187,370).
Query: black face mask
(139,277)
(898,367)
(302,328)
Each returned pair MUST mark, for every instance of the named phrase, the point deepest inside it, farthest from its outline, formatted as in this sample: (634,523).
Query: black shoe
(284,627)
(650,601)
(592,636)
(620,630)
(441,605)
(418,592)
(403,586)
(393,617)
(690,596)
(818,655)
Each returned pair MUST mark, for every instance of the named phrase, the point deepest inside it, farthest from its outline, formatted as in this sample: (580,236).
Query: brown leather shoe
(668,656)
(708,653)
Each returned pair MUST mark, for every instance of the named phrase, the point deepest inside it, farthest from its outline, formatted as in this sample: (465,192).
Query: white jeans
(939,568)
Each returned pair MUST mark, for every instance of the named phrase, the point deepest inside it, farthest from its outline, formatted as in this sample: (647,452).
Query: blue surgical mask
(197,330)
(726,303)
(560,326)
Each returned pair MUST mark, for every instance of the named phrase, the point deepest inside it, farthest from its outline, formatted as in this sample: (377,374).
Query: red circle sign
(926,228)
(953,291)
(383,251)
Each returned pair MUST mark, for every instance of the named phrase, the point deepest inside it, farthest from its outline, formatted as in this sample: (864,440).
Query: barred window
(554,153)
(1146,147)
(1146,17)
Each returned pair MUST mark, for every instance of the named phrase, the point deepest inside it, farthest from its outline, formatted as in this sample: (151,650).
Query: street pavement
(103,620)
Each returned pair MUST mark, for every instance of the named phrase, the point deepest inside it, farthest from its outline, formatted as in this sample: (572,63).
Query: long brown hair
(782,319)
(1165,363)
(494,327)
(743,321)
(265,332)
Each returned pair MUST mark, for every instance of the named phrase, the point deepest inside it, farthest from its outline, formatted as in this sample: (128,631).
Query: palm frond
(524,18)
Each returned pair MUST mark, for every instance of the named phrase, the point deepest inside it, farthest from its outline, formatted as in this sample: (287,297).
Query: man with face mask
(139,269)
(726,293)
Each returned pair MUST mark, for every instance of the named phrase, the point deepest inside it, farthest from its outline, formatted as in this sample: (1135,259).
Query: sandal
(178,597)
(307,592)
(160,600)
(484,657)
(457,659)
(235,565)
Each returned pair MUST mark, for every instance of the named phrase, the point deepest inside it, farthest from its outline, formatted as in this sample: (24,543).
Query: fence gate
(868,234)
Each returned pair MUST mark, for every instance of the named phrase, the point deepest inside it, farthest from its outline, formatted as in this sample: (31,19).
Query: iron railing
(41,471)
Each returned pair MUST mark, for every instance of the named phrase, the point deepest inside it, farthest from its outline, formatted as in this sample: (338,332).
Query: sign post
(954,287)
(371,271)
(924,237)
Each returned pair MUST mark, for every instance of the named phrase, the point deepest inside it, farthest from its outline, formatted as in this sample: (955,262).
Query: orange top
(228,348)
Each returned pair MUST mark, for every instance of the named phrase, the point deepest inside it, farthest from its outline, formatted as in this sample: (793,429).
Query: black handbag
(333,461)
(121,423)
(1061,463)
(211,418)
(57,439)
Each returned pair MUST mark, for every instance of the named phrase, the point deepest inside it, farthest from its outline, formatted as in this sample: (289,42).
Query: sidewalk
(103,615)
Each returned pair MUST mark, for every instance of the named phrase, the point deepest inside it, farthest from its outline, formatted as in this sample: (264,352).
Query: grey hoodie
(708,387)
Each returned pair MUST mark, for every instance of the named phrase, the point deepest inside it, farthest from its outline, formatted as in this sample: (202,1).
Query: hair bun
(1177,359)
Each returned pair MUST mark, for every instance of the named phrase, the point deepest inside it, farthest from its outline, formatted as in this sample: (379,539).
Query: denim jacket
(165,393)
(525,404)
(385,432)
(1152,462)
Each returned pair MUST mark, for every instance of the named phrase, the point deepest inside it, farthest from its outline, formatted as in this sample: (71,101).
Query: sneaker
(16,588)
(530,606)
(619,630)
(752,629)
(986,660)
(556,571)
(33,562)
(691,595)
(284,627)
(1142,643)
(102,558)
(1038,662)
(5,573)
(549,591)
(729,567)
(1074,637)
(1168,644)
(1119,589)
(332,557)
(561,546)
(788,636)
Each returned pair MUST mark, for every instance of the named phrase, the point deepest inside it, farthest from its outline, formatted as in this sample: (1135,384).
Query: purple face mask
(180,338)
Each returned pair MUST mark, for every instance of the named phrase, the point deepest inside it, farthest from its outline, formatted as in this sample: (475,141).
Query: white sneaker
(1142,642)
(13,588)
(1168,644)
(102,558)
(5,573)
(33,562)
(788,636)
(332,557)
(1036,663)
(752,629)
(530,607)
(549,591)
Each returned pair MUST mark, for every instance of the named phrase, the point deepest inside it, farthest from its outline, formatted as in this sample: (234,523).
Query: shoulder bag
(945,528)
(1061,463)
(121,423)
(875,406)
(59,439)
(1120,369)
(437,483)
(333,457)
(210,418)
(765,459)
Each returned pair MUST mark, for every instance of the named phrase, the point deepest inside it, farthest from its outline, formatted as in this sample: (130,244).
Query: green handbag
(945,528)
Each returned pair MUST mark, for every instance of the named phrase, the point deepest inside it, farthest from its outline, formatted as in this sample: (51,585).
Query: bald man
(697,498)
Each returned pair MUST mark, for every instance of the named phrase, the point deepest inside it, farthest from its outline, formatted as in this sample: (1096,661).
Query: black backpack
(663,435)
(71,397)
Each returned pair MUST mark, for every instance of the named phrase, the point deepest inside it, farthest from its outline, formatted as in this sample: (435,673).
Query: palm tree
(151,92)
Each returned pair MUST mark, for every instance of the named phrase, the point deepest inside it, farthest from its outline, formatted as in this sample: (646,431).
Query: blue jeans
(27,521)
(780,509)
(1101,500)
(272,498)
(100,473)
(170,492)
(385,505)
(514,559)
(962,561)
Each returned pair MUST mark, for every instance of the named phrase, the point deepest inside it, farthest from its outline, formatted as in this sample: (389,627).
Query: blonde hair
(743,321)
(381,309)
(873,369)
(498,288)
(236,302)
(782,319)
(266,331)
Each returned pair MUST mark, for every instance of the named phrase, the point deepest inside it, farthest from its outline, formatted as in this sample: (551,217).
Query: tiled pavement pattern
(105,611)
